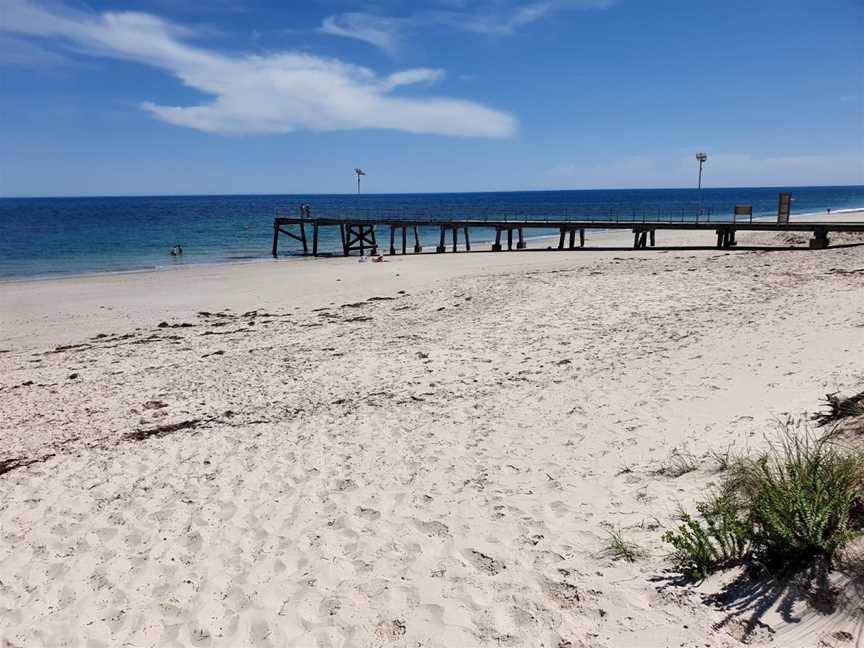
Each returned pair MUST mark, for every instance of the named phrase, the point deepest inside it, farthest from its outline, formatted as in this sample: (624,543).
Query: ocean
(50,237)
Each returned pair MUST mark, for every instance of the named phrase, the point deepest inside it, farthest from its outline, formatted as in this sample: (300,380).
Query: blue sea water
(44,237)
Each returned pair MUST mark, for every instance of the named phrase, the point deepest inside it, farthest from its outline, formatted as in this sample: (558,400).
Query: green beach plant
(805,497)
(720,535)
(801,500)
(617,548)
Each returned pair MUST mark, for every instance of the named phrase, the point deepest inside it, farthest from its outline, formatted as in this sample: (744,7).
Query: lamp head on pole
(359,172)
(701,157)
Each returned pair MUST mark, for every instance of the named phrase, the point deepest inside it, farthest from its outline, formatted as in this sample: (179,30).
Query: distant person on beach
(176,250)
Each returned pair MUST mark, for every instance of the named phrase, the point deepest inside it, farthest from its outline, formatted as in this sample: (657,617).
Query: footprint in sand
(485,563)
(564,594)
(390,630)
(368,513)
(433,528)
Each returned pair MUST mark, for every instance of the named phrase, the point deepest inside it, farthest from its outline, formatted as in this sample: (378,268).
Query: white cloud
(721,170)
(412,77)
(379,31)
(491,18)
(273,93)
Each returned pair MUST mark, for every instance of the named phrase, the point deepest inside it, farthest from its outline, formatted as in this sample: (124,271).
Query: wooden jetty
(359,233)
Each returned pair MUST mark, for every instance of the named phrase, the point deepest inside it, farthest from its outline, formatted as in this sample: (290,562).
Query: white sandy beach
(426,452)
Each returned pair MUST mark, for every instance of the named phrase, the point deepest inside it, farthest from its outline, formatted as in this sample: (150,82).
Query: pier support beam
(496,246)
(393,229)
(820,240)
(417,247)
(521,244)
(726,238)
(301,237)
(440,249)
(357,237)
(570,234)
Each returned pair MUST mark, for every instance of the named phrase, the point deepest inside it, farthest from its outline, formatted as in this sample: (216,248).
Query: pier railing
(509,214)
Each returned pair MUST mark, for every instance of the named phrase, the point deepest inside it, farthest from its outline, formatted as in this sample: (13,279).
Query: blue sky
(249,96)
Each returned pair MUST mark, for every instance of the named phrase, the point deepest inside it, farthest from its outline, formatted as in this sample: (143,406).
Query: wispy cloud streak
(272,93)
(490,19)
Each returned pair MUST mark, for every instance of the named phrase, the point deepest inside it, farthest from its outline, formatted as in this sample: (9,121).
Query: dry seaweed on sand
(836,408)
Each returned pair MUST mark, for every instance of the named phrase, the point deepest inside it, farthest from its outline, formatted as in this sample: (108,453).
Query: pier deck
(360,233)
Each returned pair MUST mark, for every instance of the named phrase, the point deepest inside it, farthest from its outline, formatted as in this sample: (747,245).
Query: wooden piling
(275,239)
(467,241)
(440,247)
(417,247)
(392,235)
(496,247)
(315,239)
(404,237)
(820,240)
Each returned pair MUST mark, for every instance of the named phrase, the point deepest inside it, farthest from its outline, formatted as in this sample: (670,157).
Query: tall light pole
(701,157)
(359,172)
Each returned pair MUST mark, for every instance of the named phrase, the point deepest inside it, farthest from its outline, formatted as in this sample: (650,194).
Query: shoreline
(844,213)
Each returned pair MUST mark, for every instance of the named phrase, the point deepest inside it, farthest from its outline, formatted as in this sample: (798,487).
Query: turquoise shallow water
(43,237)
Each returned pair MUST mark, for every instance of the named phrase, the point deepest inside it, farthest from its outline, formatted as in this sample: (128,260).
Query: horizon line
(417,193)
